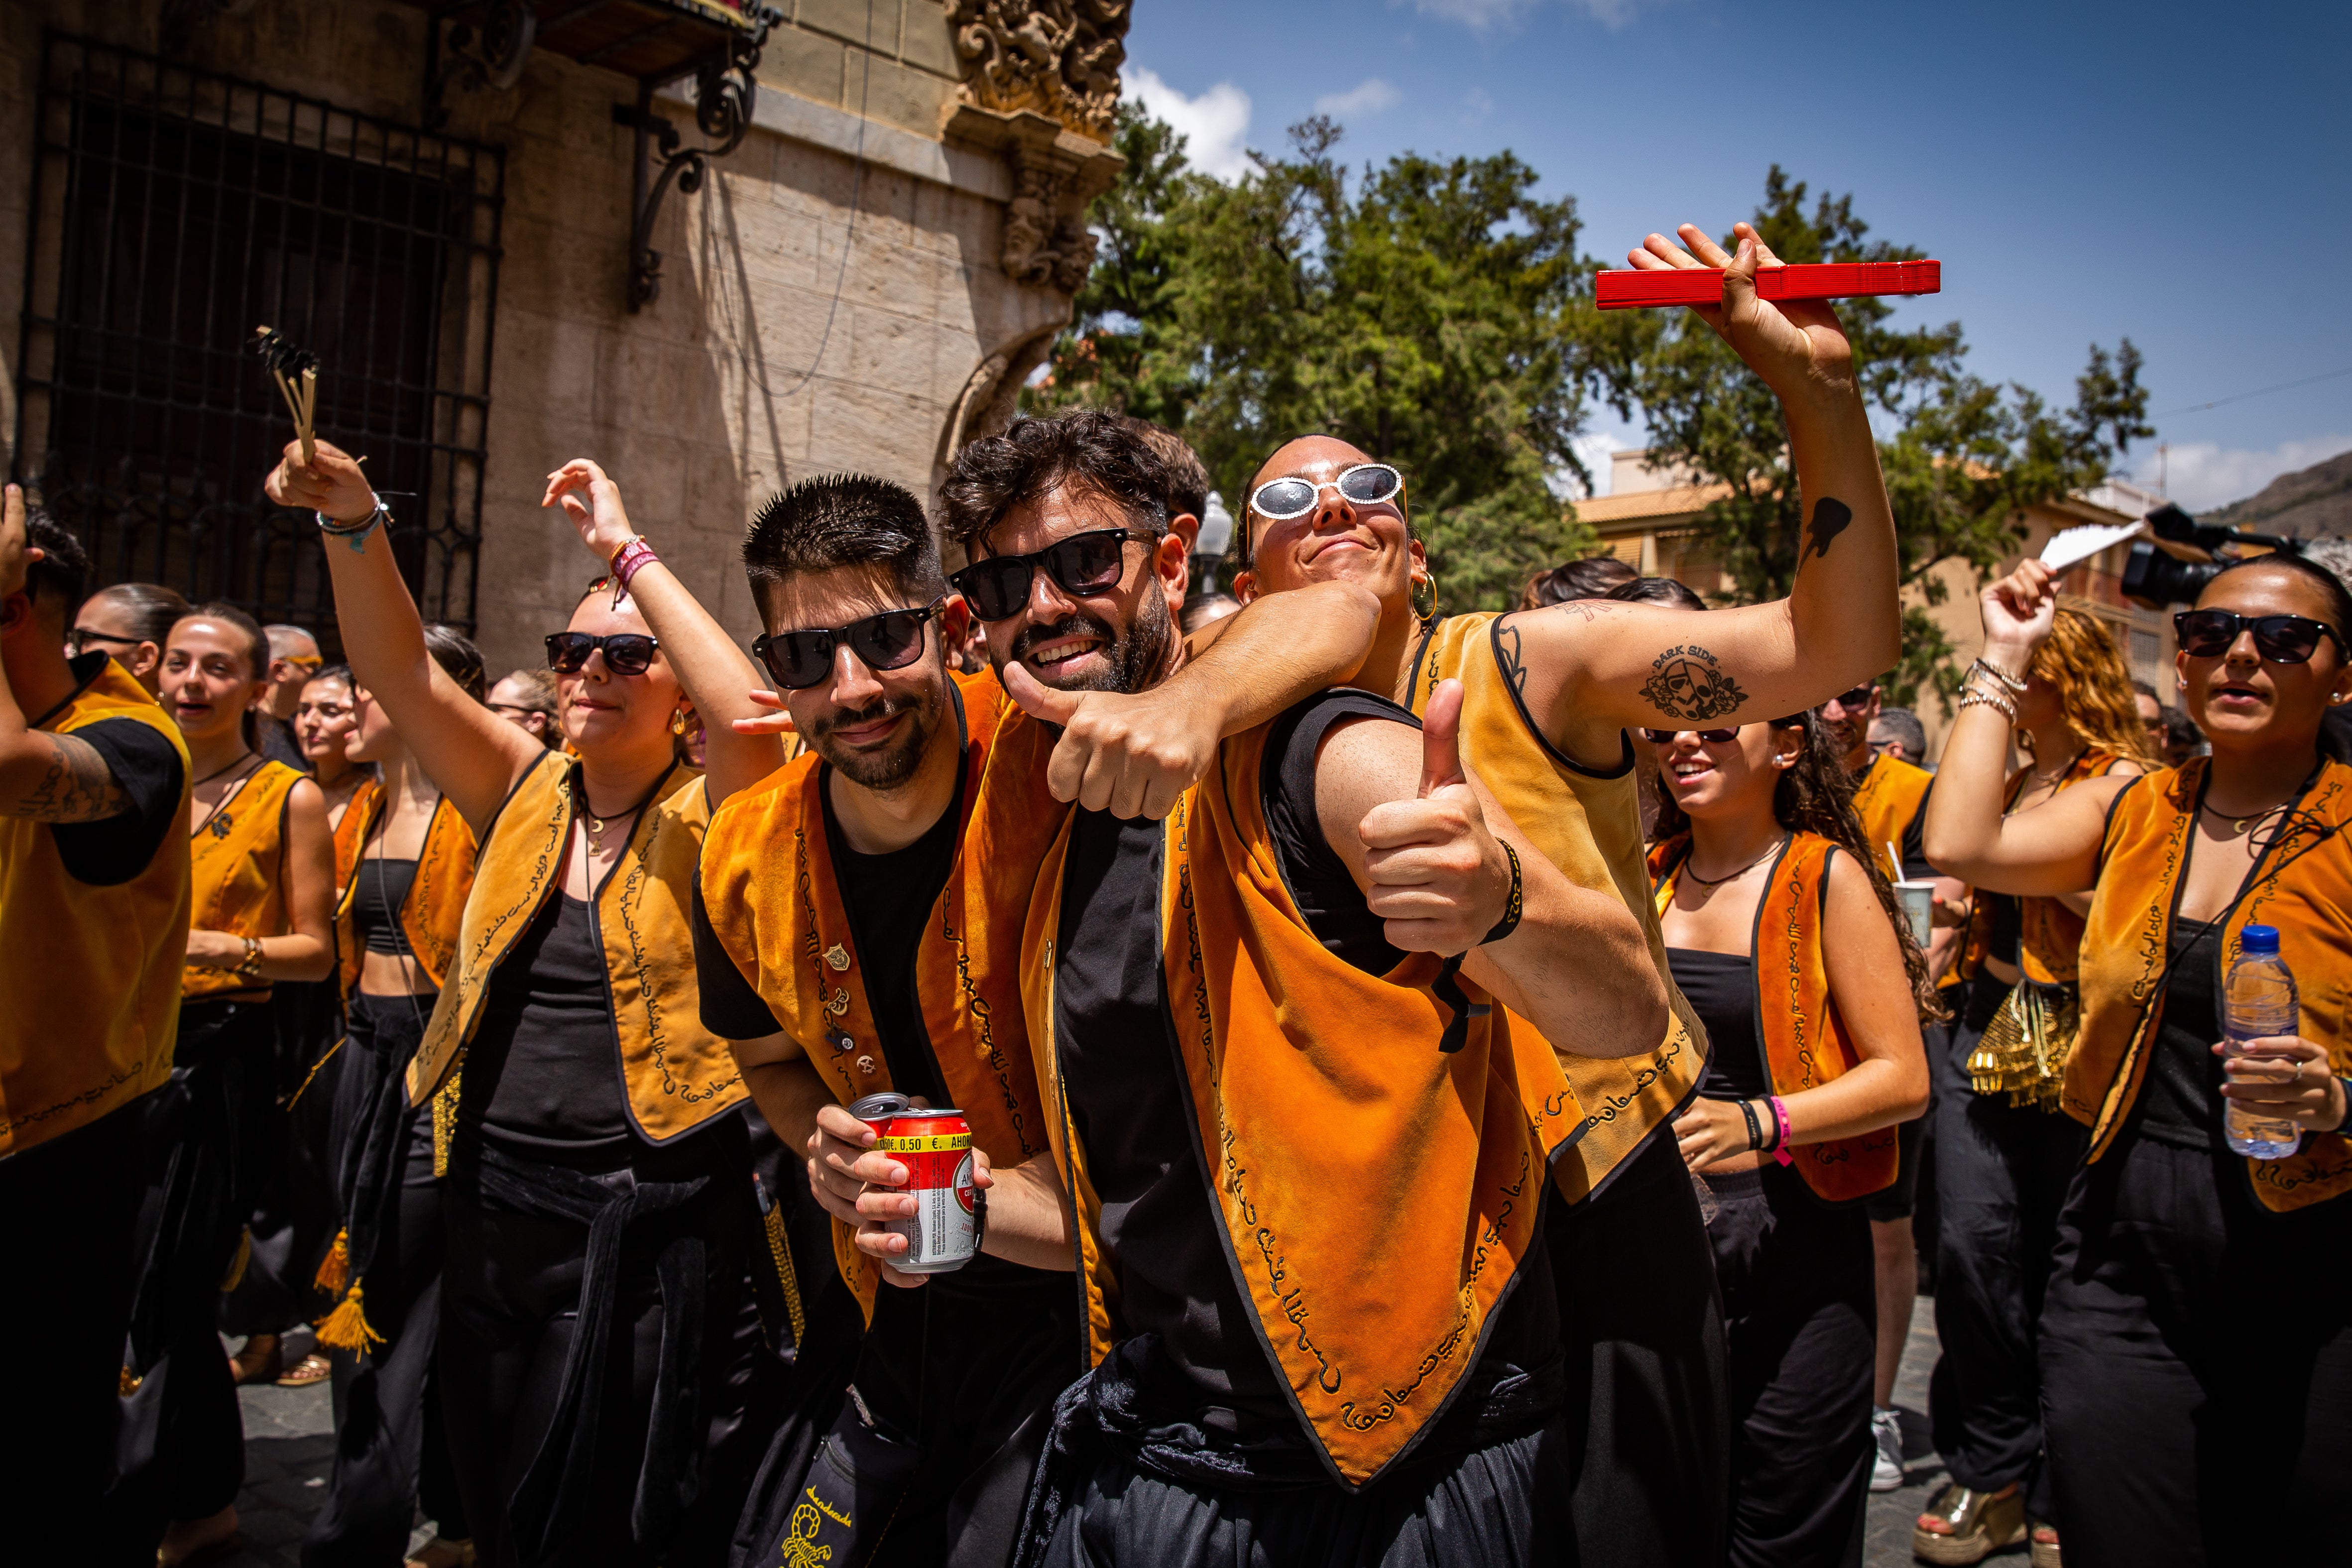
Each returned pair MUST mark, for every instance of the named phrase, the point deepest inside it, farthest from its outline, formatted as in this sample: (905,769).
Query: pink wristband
(635,553)
(1780,1150)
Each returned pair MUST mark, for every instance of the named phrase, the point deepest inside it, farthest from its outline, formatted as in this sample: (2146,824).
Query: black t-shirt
(111,851)
(1319,882)
(543,1077)
(2179,1100)
(889,898)
(1721,989)
(1133,1109)
(1913,843)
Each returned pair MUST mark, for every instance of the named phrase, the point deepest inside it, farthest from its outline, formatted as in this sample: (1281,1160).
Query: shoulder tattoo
(76,786)
(1688,682)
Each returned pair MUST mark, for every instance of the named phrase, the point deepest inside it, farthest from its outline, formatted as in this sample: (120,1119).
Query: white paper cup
(1919,903)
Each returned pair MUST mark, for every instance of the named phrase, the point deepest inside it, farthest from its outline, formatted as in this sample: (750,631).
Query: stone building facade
(716,247)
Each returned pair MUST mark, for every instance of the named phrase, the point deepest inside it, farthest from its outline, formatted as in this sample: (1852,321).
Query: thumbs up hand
(1439,878)
(1132,754)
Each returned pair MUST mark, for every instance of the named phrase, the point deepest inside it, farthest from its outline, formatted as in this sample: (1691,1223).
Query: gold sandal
(312,1368)
(2045,1552)
(1982,1523)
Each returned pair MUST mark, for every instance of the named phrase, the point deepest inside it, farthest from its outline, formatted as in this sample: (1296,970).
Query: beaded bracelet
(354,535)
(1976,697)
(2014,683)
(1787,1133)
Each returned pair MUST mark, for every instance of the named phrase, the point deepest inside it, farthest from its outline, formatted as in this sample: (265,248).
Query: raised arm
(472,755)
(2053,848)
(717,676)
(49,778)
(1425,842)
(1134,754)
(1602,664)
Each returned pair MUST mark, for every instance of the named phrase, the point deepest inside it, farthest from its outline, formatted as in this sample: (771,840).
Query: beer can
(936,1148)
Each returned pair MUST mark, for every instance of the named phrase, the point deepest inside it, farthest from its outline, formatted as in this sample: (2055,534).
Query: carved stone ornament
(1059,58)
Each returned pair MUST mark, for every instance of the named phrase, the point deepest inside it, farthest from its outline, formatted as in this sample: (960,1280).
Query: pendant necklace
(1731,876)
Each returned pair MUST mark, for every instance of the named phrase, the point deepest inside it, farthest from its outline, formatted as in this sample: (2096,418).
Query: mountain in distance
(2310,503)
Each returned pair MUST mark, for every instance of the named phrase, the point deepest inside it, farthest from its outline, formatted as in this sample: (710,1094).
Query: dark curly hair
(1591,578)
(1816,796)
(1082,449)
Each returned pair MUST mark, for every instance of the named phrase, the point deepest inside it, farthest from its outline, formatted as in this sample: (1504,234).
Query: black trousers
(205,1142)
(960,1378)
(1801,1309)
(510,1311)
(294,1215)
(69,1214)
(2197,1368)
(1642,1331)
(1134,1485)
(392,1452)
(2002,1174)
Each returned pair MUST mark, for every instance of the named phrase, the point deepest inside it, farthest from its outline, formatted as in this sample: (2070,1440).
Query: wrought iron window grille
(174,210)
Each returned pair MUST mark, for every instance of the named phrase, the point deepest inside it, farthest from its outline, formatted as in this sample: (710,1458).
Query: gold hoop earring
(1430,614)
(677,720)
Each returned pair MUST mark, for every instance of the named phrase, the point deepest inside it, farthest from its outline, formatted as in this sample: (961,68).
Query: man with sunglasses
(858,933)
(1549,695)
(129,621)
(1316,1305)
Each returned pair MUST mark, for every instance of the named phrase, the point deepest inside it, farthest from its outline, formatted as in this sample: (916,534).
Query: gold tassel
(346,1328)
(235,1275)
(780,1248)
(128,1384)
(445,1125)
(335,1269)
(2024,1051)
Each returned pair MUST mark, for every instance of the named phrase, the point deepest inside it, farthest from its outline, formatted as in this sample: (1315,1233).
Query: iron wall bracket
(725,90)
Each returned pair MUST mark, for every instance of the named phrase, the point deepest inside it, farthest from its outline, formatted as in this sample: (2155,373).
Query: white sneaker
(1887,1426)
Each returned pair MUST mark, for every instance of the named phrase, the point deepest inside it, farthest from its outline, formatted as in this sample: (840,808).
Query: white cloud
(1214,125)
(1370,97)
(1478,16)
(1593,447)
(1476,105)
(2201,475)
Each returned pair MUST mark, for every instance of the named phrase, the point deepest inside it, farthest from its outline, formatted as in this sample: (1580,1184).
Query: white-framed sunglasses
(1366,484)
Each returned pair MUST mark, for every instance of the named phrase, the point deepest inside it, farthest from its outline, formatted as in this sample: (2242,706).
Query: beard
(893,765)
(1132,659)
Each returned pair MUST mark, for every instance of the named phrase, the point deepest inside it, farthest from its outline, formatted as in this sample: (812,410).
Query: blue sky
(2177,175)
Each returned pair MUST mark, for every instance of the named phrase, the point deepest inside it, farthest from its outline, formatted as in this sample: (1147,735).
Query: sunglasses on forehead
(1086,565)
(798,660)
(626,653)
(2281,639)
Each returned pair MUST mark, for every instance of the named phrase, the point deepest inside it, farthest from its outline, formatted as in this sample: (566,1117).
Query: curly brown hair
(2080,662)
(1815,794)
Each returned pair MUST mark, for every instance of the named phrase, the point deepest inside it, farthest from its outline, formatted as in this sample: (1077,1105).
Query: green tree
(1963,458)
(1422,310)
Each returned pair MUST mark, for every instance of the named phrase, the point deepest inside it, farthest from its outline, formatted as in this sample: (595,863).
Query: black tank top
(381,888)
(543,1077)
(1721,987)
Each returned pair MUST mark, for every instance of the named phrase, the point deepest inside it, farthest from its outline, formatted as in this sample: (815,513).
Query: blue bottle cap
(2257,938)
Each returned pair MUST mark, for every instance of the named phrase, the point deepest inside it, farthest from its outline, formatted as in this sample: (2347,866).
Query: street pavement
(290,1447)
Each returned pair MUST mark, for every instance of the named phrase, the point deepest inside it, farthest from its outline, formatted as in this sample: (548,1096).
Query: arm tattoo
(1688,683)
(76,786)
(1831,517)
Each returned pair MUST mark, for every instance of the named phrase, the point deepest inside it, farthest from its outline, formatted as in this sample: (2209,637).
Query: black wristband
(1754,1128)
(1775,1144)
(1513,907)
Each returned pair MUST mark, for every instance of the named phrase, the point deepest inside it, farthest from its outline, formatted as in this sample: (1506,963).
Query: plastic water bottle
(2258,1000)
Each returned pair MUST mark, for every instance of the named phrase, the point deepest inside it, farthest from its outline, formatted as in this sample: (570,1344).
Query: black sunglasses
(78,638)
(2281,639)
(798,660)
(626,653)
(1085,564)
(1850,699)
(1718,737)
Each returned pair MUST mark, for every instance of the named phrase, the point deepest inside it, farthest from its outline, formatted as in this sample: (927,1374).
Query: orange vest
(1589,825)
(2301,885)
(676,1075)
(774,902)
(90,975)
(1377,1193)
(1887,798)
(238,874)
(437,896)
(2048,933)
(1804,1036)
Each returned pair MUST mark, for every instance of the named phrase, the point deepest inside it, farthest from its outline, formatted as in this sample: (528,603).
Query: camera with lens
(2185,555)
